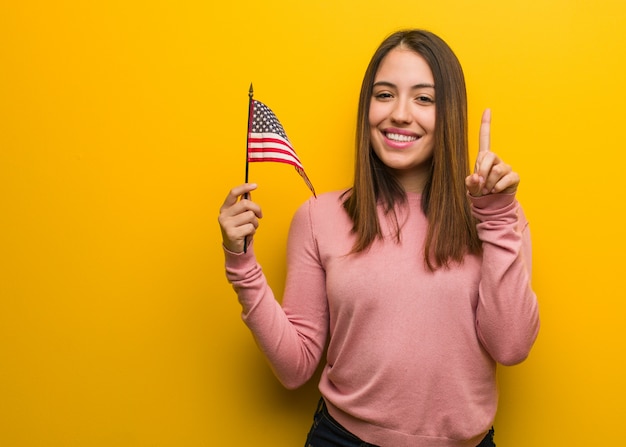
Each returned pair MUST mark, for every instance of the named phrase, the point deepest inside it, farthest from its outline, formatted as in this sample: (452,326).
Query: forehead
(406,65)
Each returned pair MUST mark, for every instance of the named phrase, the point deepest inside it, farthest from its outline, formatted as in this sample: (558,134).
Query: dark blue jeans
(327,432)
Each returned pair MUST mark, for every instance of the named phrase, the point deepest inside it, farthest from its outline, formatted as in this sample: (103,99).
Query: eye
(423,99)
(383,95)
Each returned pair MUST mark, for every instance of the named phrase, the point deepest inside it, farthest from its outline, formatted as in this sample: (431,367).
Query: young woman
(416,280)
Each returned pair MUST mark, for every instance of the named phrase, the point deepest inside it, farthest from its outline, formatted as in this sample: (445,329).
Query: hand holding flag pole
(267,141)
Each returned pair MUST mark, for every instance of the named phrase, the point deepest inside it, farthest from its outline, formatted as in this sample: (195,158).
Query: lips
(400,137)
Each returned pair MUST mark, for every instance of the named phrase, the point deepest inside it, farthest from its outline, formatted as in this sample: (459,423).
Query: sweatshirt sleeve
(291,336)
(507,316)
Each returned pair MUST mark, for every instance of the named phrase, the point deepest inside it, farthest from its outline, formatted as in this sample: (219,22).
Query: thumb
(474,184)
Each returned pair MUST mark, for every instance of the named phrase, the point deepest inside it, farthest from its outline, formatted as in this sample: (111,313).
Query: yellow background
(122,127)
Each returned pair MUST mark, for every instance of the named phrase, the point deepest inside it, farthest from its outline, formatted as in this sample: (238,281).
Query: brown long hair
(451,227)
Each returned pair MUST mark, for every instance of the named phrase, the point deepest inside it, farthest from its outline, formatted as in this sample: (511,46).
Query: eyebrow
(414,87)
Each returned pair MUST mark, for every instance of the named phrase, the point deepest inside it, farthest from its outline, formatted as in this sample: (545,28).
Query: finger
(484,141)
(234,239)
(507,184)
(485,161)
(242,207)
(498,171)
(235,229)
(242,218)
(236,192)
(474,184)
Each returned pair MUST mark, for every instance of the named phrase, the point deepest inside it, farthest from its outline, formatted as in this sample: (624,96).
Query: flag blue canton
(264,121)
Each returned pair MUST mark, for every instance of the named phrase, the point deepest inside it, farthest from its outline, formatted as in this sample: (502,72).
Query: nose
(401,112)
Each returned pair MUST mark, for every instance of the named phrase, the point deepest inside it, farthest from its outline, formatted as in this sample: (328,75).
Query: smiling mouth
(401,138)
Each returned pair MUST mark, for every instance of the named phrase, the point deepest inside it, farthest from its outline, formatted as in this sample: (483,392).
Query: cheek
(429,120)
(376,114)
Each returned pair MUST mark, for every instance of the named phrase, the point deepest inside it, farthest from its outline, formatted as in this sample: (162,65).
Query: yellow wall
(122,127)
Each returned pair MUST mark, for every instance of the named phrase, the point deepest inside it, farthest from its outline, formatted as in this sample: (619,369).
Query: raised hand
(239,217)
(491,175)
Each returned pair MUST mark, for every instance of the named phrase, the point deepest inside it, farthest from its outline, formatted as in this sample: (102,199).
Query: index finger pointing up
(484,141)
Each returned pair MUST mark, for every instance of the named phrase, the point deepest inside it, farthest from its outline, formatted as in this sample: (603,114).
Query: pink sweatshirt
(411,357)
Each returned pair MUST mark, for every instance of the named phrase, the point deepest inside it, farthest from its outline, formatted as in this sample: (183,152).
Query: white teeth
(401,138)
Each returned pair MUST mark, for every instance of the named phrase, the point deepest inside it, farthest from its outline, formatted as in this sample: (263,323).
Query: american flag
(267,140)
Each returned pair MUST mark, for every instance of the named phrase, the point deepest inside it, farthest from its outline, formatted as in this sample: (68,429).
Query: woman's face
(402,116)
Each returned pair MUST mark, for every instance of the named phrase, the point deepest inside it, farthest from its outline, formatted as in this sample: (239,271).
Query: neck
(411,181)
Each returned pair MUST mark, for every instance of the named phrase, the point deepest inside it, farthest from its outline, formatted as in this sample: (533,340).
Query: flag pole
(250,94)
